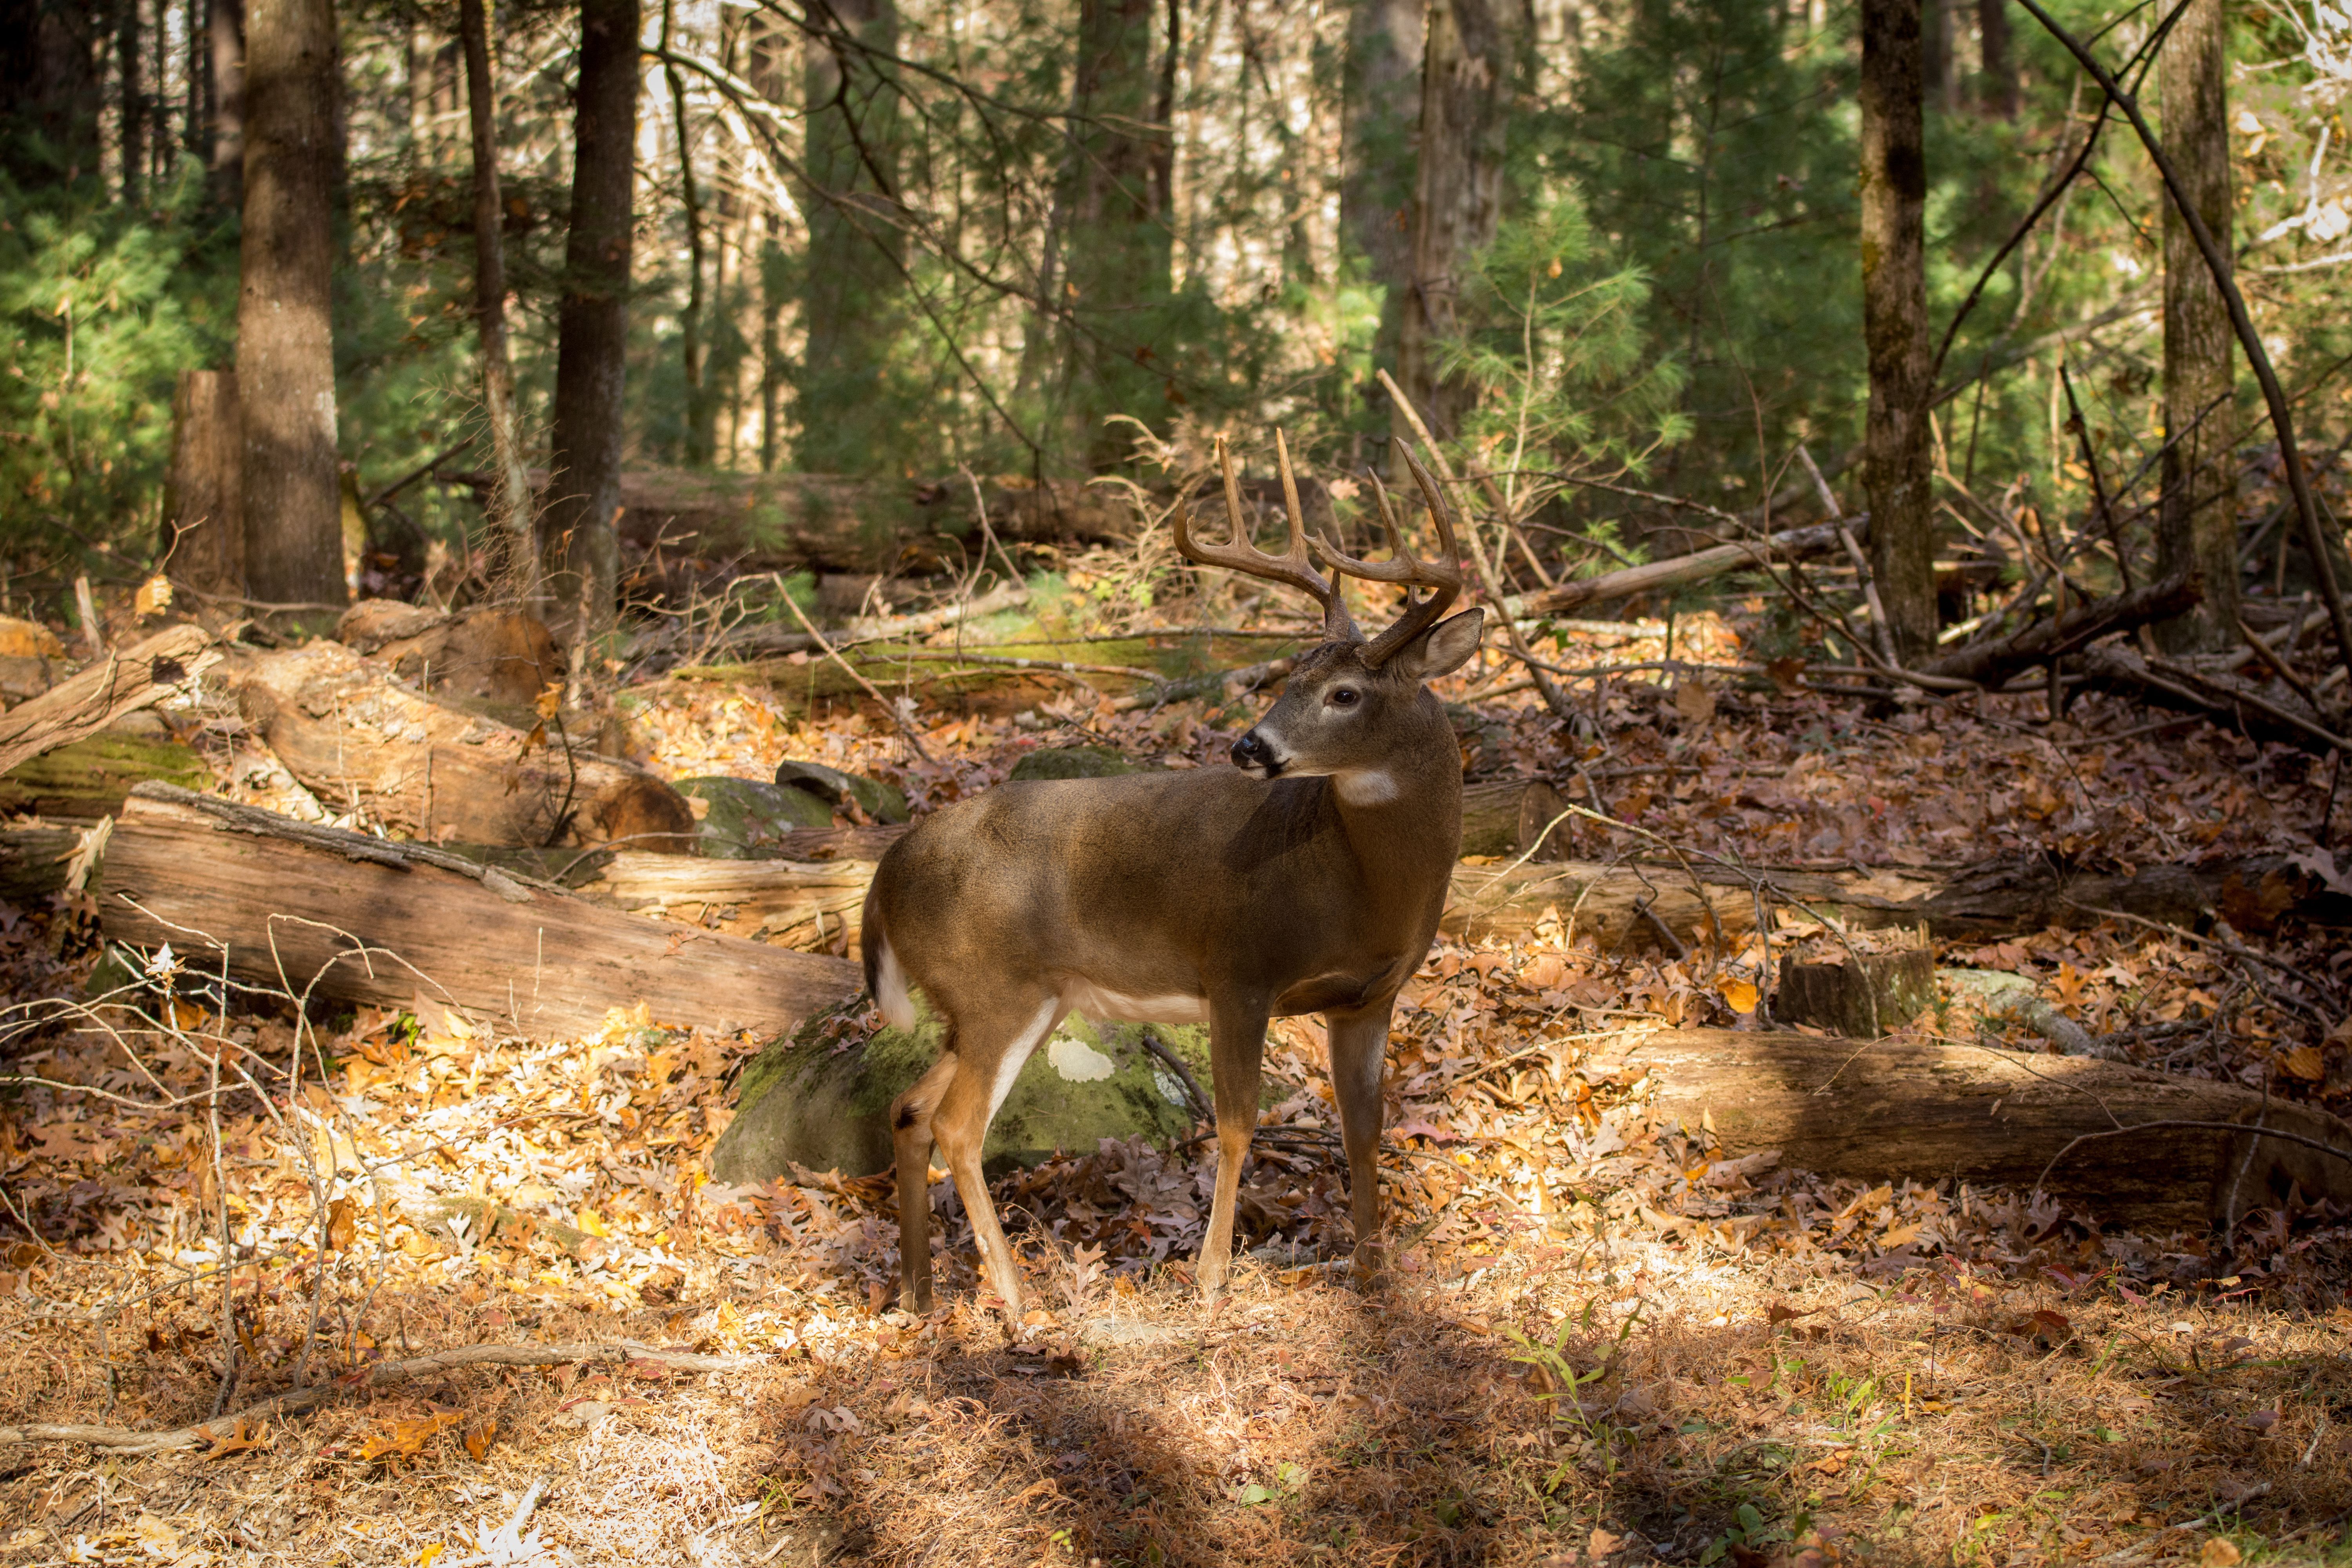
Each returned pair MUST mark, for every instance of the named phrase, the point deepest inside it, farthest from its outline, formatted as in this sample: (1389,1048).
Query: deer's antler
(1443,576)
(1293,566)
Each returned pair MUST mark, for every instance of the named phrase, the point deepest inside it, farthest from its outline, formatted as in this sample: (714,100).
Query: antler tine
(1292,567)
(1441,576)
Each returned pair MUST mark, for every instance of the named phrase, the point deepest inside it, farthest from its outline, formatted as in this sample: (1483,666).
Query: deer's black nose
(1251,751)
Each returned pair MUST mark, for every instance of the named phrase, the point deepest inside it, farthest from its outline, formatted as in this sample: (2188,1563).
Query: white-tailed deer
(1308,879)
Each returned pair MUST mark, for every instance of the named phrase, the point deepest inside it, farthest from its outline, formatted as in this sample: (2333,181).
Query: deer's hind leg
(910,1139)
(990,1042)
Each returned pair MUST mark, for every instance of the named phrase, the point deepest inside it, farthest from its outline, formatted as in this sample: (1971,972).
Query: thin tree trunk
(1998,92)
(593,322)
(203,518)
(285,341)
(772,369)
(511,508)
(849,298)
(2196,528)
(1116,245)
(1938,68)
(1468,72)
(692,350)
(197,119)
(226,74)
(1894,324)
(1380,106)
(133,101)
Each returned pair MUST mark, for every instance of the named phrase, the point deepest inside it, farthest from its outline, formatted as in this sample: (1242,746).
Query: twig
(889,707)
(1202,1106)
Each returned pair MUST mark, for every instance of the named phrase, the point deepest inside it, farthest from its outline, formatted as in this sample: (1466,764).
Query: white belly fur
(1104,1006)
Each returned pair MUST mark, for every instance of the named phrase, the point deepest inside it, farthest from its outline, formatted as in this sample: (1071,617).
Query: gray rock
(816,1102)
(748,819)
(882,802)
(1073,762)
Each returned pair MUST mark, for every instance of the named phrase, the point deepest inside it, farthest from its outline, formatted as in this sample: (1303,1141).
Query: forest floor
(1601,1342)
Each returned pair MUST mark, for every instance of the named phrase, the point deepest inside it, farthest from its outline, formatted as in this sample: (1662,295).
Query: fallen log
(1933,1109)
(490,655)
(1510,817)
(352,734)
(89,778)
(360,920)
(1994,660)
(111,687)
(1682,571)
(35,860)
(2266,713)
(812,905)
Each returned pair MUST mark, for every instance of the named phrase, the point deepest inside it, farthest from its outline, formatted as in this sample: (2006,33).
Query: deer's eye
(1344,697)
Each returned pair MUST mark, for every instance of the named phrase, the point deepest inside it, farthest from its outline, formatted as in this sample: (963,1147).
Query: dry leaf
(28,639)
(154,596)
(2219,1553)
(480,1436)
(343,1225)
(2304,1063)
(1740,996)
(405,1436)
(240,1439)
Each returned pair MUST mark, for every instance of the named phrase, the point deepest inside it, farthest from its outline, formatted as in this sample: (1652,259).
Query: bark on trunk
(355,736)
(1379,97)
(291,495)
(89,779)
(386,923)
(203,520)
(1989,1118)
(1469,69)
(1117,244)
(2197,516)
(511,512)
(592,322)
(854,280)
(1894,324)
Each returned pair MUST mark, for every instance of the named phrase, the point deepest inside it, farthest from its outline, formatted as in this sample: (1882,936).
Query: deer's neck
(1403,819)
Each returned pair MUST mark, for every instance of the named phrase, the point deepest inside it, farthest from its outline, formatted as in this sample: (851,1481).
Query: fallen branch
(384,1374)
(1991,662)
(1681,570)
(1934,1109)
(1231,685)
(119,683)
(2233,703)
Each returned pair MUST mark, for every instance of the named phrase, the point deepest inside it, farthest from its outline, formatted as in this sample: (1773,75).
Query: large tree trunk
(1894,324)
(2197,518)
(291,495)
(1379,107)
(1469,72)
(593,322)
(389,924)
(850,299)
(203,518)
(510,510)
(224,108)
(1117,244)
(48,90)
(1931,1111)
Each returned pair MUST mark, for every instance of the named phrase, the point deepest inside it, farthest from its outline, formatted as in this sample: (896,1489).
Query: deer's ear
(1443,648)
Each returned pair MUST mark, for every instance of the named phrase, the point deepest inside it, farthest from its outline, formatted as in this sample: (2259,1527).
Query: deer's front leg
(1359,1064)
(1236,1044)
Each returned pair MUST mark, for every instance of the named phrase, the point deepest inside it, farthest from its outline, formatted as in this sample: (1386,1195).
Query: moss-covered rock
(882,802)
(91,777)
(824,1105)
(1074,763)
(747,820)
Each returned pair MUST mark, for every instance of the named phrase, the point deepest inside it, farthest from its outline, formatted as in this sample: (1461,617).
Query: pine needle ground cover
(1603,1341)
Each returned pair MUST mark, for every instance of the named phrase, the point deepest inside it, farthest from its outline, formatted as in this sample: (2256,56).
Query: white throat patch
(1365,787)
